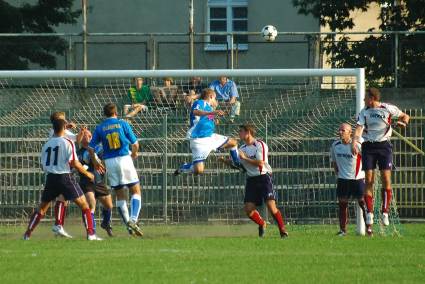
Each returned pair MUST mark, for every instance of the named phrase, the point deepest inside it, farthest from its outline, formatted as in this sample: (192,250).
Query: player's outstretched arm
(79,167)
(403,120)
(198,112)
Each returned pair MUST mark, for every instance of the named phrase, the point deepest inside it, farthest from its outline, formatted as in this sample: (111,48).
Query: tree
(375,52)
(41,17)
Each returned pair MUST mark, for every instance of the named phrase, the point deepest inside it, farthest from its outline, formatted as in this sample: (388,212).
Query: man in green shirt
(139,96)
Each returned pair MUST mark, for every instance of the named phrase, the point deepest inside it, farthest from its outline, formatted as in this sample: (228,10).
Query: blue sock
(106,216)
(186,168)
(136,205)
(94,222)
(235,155)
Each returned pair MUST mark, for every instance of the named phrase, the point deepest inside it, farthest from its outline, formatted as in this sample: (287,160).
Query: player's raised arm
(96,163)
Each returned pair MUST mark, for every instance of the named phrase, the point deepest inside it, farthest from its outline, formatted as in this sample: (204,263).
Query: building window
(227,16)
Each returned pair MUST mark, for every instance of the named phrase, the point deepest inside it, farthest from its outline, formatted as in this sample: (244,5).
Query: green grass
(213,254)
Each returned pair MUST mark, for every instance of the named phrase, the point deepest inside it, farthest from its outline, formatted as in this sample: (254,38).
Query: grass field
(213,254)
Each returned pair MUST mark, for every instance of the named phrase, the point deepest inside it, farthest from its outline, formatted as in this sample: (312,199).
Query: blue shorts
(57,184)
(347,188)
(380,153)
(259,189)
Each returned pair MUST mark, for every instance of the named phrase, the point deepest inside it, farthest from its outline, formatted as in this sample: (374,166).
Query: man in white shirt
(374,125)
(57,157)
(348,169)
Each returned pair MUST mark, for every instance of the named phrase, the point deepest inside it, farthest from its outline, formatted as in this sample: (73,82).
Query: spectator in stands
(165,95)
(192,91)
(140,96)
(227,93)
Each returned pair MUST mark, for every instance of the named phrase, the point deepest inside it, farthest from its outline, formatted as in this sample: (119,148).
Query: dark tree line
(41,17)
(376,52)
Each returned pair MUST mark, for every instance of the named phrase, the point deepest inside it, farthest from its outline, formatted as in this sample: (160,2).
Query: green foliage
(41,17)
(376,53)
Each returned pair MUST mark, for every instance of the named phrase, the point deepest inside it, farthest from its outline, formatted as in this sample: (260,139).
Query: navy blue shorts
(380,153)
(57,184)
(350,188)
(259,189)
(99,189)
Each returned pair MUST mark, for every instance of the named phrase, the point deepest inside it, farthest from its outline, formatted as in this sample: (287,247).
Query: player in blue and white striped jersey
(201,135)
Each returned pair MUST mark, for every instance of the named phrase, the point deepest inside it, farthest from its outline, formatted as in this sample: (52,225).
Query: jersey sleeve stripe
(358,163)
(73,150)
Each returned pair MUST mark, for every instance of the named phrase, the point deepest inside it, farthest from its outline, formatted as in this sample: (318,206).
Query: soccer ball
(269,33)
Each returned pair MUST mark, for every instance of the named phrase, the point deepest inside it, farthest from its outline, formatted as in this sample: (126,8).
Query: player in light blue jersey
(117,137)
(201,134)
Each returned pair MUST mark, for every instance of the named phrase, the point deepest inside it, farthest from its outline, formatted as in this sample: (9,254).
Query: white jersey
(349,165)
(68,134)
(256,151)
(377,122)
(57,154)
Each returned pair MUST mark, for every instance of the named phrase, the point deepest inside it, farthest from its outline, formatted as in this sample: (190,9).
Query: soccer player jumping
(203,140)
(374,124)
(348,168)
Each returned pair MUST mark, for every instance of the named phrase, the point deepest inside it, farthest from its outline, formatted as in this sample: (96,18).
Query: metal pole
(396,38)
(164,169)
(84,4)
(231,51)
(191,35)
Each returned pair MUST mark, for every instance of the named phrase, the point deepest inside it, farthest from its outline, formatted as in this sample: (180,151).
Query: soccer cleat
(385,220)
(341,234)
(135,228)
(94,238)
(262,230)
(26,237)
(177,172)
(369,231)
(369,219)
(283,234)
(107,228)
(60,232)
(238,167)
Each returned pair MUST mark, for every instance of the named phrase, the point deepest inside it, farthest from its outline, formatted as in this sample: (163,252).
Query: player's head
(85,140)
(57,115)
(223,80)
(139,82)
(110,110)
(168,81)
(372,96)
(59,126)
(344,132)
(196,80)
(246,131)
(207,94)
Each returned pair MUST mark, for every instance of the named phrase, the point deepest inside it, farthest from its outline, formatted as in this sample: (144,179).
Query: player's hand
(242,155)
(134,155)
(90,176)
(99,167)
(354,148)
(219,112)
(401,124)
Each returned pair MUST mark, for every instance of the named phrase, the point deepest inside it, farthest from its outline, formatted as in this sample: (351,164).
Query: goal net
(296,112)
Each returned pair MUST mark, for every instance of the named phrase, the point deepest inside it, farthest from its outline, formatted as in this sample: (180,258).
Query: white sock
(123,210)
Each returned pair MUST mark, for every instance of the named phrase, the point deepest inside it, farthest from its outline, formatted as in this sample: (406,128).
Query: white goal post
(357,73)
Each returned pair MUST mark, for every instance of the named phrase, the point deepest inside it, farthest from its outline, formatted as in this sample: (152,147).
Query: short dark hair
(58,125)
(374,93)
(205,93)
(56,115)
(249,128)
(109,109)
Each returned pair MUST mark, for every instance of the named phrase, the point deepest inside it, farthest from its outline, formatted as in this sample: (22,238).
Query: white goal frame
(357,73)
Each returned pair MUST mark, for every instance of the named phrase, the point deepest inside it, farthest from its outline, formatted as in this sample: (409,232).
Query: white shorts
(121,171)
(201,147)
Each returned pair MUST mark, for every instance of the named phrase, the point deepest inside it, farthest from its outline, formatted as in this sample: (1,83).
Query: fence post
(396,60)
(231,51)
(164,168)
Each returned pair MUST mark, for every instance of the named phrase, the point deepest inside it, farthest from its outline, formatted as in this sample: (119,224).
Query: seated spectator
(140,96)
(165,95)
(192,91)
(227,93)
